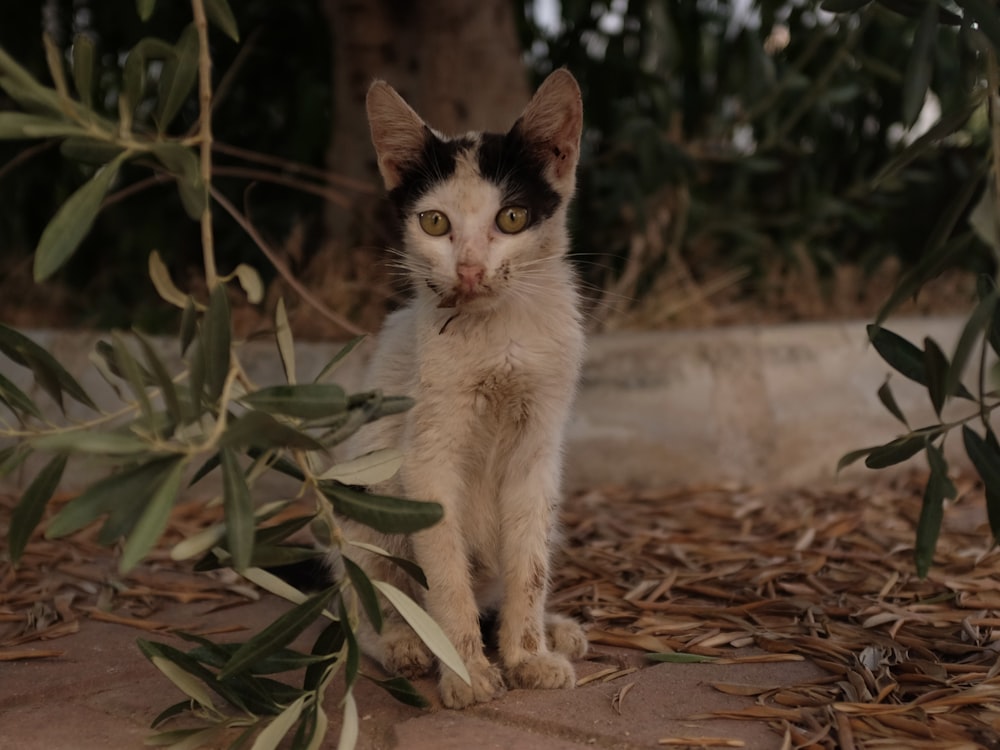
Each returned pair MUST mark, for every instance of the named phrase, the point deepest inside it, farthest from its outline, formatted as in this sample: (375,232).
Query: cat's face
(480,213)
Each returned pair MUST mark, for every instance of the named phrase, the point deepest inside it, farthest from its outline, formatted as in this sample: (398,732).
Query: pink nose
(469,276)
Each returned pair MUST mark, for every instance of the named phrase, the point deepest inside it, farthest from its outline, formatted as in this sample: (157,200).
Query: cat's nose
(469,276)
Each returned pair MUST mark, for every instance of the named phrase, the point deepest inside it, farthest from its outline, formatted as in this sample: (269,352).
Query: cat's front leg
(528,507)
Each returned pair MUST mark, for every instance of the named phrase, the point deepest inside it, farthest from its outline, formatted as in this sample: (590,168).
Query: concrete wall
(771,405)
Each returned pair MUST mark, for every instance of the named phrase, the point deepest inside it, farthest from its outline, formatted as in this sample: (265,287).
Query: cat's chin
(458,300)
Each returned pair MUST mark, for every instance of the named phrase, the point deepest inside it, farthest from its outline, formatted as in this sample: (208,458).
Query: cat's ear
(398,133)
(553,122)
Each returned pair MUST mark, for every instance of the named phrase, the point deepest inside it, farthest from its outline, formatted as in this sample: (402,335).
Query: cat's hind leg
(565,636)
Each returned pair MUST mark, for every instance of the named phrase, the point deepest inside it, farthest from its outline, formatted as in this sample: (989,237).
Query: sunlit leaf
(278,634)
(371,468)
(73,221)
(27,514)
(250,281)
(272,735)
(221,15)
(239,511)
(938,488)
(189,685)
(83,68)
(349,728)
(307,401)
(153,521)
(390,515)
(272,584)
(428,630)
(319,730)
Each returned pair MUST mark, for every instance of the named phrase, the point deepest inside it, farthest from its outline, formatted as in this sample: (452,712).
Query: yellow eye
(434,223)
(512,219)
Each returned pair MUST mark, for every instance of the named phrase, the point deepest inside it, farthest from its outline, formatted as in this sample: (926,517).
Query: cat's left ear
(553,122)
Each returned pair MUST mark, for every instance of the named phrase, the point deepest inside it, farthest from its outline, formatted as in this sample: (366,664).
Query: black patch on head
(517,168)
(435,163)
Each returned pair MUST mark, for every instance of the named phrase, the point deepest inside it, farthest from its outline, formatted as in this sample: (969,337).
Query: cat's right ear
(398,133)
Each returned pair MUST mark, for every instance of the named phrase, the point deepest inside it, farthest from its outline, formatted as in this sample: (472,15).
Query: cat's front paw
(565,636)
(487,684)
(403,653)
(542,671)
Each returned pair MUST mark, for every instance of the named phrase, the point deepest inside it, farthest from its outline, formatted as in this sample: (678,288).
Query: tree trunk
(459,66)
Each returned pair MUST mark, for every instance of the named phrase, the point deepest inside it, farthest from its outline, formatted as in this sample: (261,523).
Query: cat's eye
(434,223)
(512,219)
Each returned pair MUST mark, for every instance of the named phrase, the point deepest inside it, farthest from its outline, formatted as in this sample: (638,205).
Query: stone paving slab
(103,693)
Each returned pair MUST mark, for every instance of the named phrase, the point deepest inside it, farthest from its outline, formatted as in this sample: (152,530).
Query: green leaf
(272,735)
(256,429)
(366,593)
(47,370)
(402,690)
(681,658)
(917,78)
(89,150)
(330,641)
(239,511)
(189,325)
(177,79)
(83,68)
(854,456)
(896,451)
(390,515)
(936,255)
(285,342)
(278,634)
(17,400)
(73,220)
(153,521)
(145,8)
(251,283)
(307,401)
(151,649)
(22,125)
(888,400)
(349,728)
(91,442)
(371,468)
(936,369)
(352,660)
(904,357)
(216,335)
(937,489)
(122,488)
(183,164)
(12,457)
(188,684)
(985,311)
(220,14)
(407,566)
(159,274)
(29,511)
(54,59)
(428,630)
(985,457)
(162,378)
(133,374)
(339,357)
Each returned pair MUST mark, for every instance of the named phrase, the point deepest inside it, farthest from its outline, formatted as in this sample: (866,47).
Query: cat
(490,349)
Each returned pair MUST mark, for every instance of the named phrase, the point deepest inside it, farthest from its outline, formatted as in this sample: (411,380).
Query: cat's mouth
(459,296)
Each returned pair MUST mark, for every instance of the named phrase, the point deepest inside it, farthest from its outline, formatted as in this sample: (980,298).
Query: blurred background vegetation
(741,160)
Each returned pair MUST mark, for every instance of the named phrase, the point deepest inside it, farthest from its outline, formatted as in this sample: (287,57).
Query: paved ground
(103,693)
